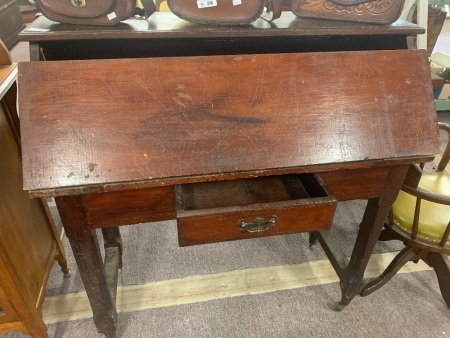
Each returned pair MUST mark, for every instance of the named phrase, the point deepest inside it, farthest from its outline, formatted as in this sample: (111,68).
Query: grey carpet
(409,306)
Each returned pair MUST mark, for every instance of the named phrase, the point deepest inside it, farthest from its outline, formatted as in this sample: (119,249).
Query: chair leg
(407,254)
(387,234)
(313,237)
(441,266)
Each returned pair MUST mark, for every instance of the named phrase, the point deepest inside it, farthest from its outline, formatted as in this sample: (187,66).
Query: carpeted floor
(409,306)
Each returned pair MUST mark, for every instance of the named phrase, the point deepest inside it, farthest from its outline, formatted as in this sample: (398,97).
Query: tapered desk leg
(113,239)
(86,251)
(374,217)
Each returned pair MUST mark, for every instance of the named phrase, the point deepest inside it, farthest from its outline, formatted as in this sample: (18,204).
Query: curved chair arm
(431,243)
(411,187)
(446,155)
(427,195)
(422,194)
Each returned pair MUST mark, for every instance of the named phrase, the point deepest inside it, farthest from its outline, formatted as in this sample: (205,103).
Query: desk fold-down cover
(101,123)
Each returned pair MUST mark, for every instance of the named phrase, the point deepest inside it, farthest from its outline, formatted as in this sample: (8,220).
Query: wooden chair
(420,217)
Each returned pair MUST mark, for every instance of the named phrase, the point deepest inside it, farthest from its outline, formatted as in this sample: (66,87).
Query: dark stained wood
(158,47)
(418,243)
(353,184)
(168,26)
(130,207)
(158,203)
(334,252)
(9,105)
(113,239)
(407,254)
(167,35)
(222,225)
(182,117)
(369,230)
(35,52)
(211,212)
(441,266)
(86,250)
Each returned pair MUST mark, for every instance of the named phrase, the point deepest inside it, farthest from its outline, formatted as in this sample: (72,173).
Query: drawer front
(130,207)
(350,184)
(233,222)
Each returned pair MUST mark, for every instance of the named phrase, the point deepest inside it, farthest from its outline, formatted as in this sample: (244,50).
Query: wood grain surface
(99,122)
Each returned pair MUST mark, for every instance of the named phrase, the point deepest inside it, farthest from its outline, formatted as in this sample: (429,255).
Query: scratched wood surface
(97,122)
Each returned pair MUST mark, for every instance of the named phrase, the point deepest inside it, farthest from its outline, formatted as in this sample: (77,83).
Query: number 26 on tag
(206,3)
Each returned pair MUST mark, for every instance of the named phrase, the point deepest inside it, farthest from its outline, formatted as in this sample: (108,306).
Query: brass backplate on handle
(258,224)
(78,3)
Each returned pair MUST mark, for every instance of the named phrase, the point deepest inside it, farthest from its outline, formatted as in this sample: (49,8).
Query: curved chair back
(422,211)
(420,218)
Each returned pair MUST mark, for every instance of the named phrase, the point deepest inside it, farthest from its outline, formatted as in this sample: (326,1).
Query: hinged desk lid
(91,123)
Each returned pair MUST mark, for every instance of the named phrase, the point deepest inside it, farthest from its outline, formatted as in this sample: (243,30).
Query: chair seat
(434,217)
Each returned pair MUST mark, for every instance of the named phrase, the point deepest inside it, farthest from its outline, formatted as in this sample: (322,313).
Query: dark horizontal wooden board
(103,122)
(129,207)
(361,183)
(167,25)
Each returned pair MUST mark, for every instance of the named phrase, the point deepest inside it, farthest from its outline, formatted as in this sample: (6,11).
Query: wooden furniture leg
(85,247)
(407,254)
(441,265)
(371,225)
(113,239)
(113,258)
(35,52)
(60,252)
(313,237)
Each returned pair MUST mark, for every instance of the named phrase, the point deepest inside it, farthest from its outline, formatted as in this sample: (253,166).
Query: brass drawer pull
(257,225)
(78,3)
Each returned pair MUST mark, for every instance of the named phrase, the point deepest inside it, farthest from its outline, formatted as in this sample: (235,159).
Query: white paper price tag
(237,2)
(206,3)
(111,16)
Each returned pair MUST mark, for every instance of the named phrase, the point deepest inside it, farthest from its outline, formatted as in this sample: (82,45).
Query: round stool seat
(434,217)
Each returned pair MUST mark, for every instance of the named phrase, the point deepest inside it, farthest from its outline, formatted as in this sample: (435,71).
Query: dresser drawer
(211,212)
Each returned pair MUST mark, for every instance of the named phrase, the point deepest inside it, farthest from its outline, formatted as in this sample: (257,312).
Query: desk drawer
(228,210)
(130,207)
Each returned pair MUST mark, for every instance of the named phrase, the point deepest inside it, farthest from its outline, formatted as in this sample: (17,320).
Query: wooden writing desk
(137,140)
